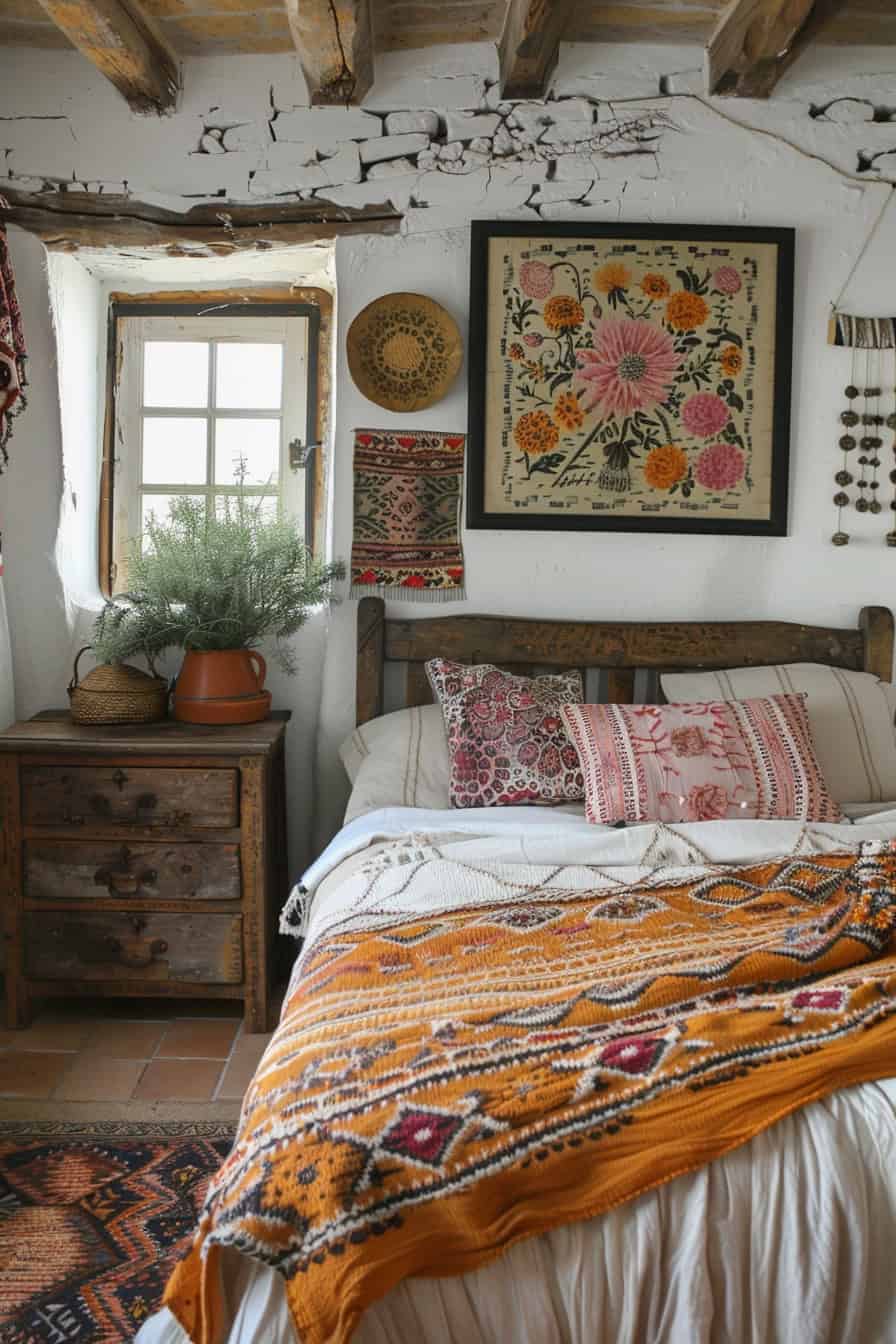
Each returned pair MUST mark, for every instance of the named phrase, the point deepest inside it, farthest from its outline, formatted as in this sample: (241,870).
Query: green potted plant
(215,583)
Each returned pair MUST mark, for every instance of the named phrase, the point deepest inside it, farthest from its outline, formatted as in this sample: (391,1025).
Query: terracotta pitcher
(226,686)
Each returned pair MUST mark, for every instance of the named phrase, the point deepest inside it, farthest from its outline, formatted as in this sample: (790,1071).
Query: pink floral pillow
(700,762)
(506,739)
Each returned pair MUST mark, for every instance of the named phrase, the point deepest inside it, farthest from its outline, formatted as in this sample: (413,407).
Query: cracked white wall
(626,136)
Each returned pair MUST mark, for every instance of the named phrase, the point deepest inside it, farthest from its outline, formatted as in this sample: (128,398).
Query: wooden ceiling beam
(334,40)
(527,51)
(755,41)
(69,221)
(125,45)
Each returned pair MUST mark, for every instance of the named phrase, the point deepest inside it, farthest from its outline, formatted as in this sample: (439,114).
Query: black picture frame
(477,517)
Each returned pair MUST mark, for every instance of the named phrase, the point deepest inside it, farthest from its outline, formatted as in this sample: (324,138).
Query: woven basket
(117,693)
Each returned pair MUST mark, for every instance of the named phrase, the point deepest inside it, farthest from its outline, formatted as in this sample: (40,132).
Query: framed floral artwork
(630,377)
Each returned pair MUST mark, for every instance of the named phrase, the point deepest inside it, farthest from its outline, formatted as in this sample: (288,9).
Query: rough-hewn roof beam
(124,45)
(527,51)
(755,41)
(334,40)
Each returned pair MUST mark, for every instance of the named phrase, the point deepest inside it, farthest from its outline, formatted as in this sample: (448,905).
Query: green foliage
(208,581)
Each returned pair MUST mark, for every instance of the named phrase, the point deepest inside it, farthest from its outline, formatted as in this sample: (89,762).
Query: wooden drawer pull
(121,878)
(137,951)
(145,814)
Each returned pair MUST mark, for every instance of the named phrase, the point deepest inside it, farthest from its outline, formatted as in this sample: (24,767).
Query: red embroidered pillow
(700,762)
(506,740)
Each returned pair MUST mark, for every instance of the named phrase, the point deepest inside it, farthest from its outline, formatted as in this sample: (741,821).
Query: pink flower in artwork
(536,279)
(533,338)
(629,369)
(719,467)
(726,280)
(707,802)
(703,414)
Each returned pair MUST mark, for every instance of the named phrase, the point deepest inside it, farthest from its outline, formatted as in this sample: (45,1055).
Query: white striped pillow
(851,716)
(398,760)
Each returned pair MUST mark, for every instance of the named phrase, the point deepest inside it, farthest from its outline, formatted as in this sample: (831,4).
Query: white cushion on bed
(398,760)
(851,715)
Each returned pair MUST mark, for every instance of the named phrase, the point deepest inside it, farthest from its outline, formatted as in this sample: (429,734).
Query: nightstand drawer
(89,870)
(113,945)
(139,796)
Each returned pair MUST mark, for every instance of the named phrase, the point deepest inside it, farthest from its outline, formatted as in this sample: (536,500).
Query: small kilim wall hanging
(407,492)
(867,422)
(12,349)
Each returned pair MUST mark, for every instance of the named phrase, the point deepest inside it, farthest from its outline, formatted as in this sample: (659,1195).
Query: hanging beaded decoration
(862,429)
(891,425)
(869,396)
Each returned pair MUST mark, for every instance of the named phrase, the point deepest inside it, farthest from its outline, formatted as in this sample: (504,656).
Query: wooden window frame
(314,304)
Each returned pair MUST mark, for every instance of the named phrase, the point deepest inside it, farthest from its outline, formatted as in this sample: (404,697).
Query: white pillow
(851,715)
(398,760)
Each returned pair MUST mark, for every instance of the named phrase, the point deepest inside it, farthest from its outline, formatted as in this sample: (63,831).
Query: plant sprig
(217,579)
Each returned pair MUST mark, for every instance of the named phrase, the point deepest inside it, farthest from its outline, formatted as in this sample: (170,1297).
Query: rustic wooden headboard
(619,647)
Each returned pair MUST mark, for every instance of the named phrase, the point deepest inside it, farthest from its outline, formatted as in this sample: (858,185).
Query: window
(200,391)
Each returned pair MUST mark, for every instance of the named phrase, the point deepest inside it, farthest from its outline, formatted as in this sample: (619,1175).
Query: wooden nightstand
(146,860)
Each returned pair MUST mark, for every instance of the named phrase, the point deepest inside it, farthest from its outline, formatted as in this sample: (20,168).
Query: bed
(481,1121)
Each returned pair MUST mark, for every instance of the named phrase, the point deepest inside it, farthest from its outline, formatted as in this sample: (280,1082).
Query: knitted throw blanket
(444,1084)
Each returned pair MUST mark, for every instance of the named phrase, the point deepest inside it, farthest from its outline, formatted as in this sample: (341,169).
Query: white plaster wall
(30,500)
(79,324)
(791,161)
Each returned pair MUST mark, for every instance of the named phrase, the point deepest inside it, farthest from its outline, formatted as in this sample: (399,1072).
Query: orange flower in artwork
(665,466)
(536,433)
(613,275)
(567,411)
(731,360)
(655,286)
(563,313)
(686,310)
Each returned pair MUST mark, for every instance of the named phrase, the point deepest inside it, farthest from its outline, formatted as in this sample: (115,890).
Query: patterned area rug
(92,1219)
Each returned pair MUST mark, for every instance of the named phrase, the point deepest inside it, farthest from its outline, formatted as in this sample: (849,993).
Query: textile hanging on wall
(407,492)
(12,350)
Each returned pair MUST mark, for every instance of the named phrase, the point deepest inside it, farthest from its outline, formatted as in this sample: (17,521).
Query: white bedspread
(788,1238)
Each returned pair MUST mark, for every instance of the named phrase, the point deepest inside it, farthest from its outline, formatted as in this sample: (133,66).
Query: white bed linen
(788,1238)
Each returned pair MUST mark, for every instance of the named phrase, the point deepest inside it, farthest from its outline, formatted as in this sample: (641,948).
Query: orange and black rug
(92,1219)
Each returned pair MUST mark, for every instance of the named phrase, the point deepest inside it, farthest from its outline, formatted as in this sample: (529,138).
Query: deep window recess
(196,390)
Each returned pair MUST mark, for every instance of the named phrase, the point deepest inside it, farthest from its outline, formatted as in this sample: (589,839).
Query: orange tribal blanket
(441,1087)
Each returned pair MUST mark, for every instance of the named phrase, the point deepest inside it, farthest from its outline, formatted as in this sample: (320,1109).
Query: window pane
(249,376)
(174,450)
(267,505)
(256,441)
(160,506)
(175,373)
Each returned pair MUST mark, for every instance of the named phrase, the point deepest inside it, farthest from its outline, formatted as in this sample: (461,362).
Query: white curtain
(7,699)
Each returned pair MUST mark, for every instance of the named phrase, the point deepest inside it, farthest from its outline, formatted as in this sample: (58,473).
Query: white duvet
(789,1238)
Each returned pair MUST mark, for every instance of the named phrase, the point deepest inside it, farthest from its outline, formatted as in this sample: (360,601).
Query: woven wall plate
(404,351)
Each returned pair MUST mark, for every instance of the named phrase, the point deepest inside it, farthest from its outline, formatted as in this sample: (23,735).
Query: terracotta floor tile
(49,1034)
(199,1038)
(124,1040)
(178,1080)
(93,1078)
(25,1073)
(236,1079)
(252,1044)
(241,1066)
